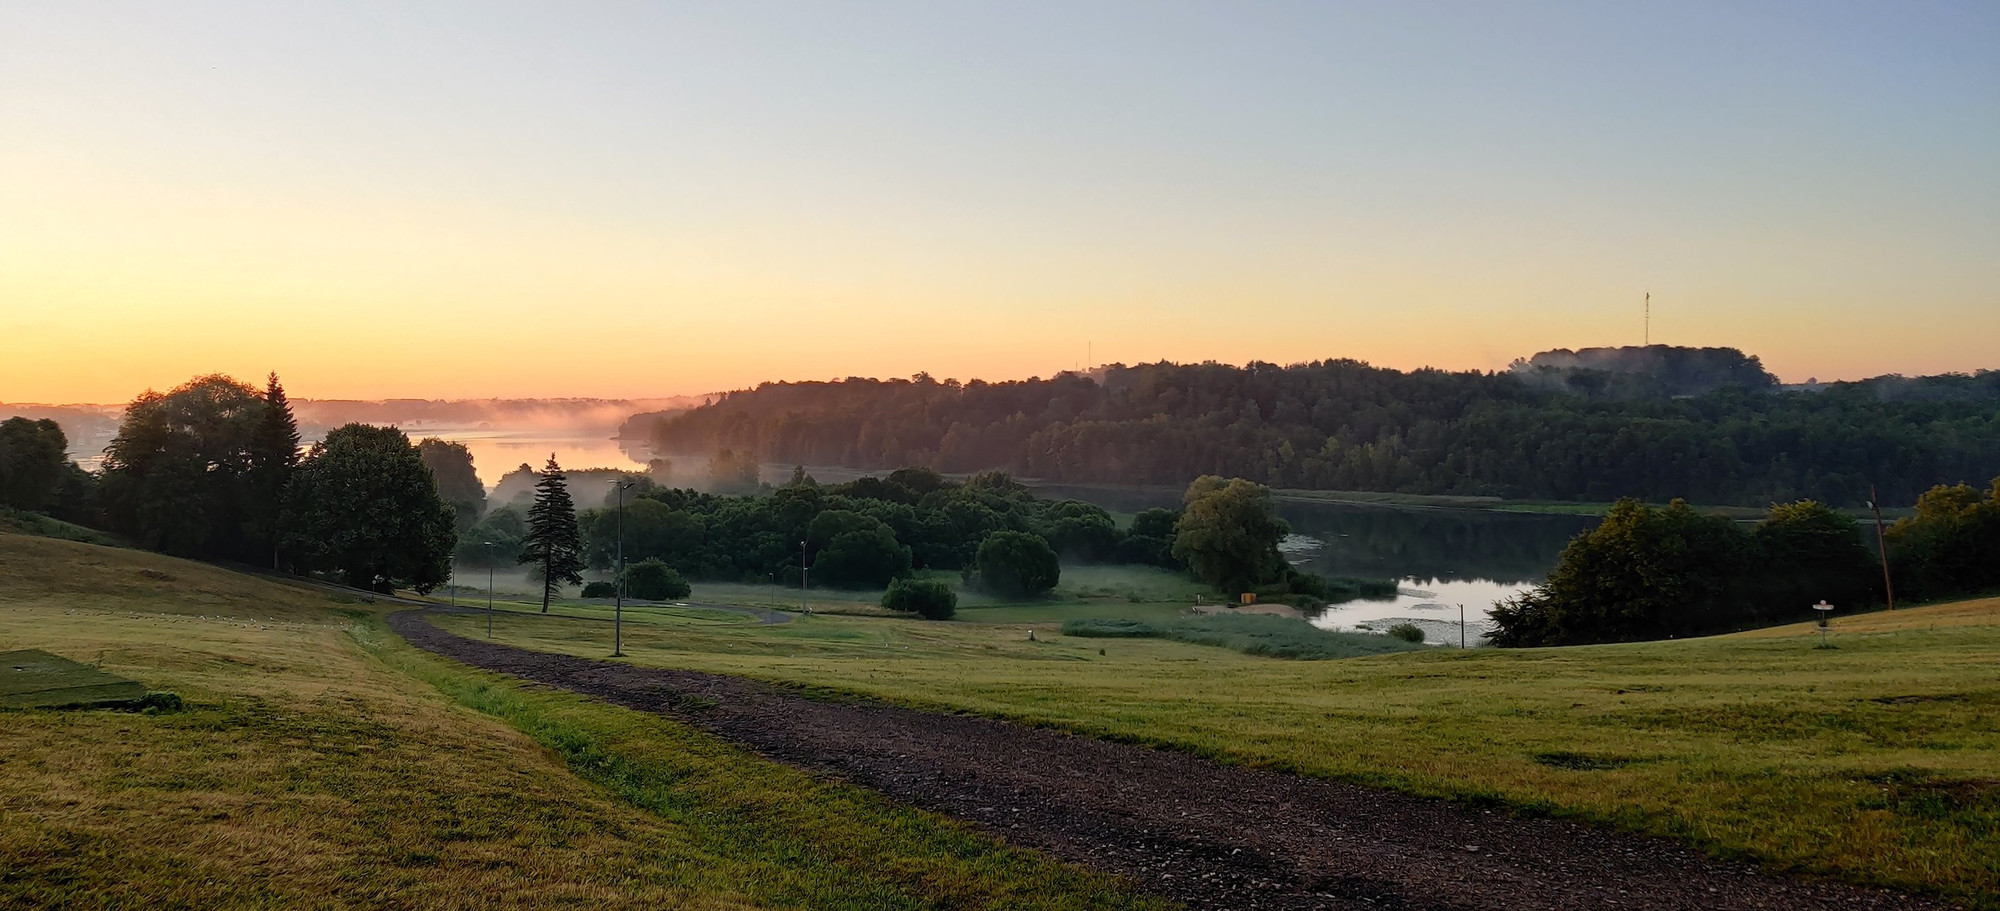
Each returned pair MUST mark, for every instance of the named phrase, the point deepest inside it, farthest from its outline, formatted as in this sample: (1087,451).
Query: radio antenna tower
(1649,319)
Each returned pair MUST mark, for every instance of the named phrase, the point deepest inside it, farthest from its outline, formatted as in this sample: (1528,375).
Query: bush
(927,598)
(1015,564)
(1408,632)
(652,580)
(600,590)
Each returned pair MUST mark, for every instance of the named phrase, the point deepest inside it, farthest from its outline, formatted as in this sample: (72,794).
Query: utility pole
(1649,319)
(1461,626)
(1882,547)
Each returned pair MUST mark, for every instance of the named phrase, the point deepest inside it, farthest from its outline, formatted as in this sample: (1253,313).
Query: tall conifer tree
(273,457)
(553,543)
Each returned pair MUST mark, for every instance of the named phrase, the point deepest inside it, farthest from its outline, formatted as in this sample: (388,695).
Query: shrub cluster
(653,580)
(927,598)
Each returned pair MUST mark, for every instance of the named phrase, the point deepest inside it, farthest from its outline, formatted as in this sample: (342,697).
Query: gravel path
(1208,835)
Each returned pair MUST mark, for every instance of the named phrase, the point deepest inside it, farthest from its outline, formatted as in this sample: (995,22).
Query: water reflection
(1440,558)
(1431,544)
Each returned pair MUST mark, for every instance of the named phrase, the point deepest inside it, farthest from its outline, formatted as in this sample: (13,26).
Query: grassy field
(320,762)
(1273,637)
(1875,761)
(1114,585)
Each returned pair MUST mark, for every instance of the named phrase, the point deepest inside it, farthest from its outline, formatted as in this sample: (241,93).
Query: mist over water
(496,452)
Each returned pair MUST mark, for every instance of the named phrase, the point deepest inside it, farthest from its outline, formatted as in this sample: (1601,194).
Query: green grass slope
(320,762)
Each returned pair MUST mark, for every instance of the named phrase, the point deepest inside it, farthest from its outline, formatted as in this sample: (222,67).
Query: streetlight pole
(618,607)
(489,588)
(804,607)
(774,588)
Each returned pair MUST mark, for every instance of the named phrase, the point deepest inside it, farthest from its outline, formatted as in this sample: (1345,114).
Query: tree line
(212,469)
(1561,430)
(1654,573)
(873,532)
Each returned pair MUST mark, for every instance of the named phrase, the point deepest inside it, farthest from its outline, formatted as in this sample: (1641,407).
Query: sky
(607,199)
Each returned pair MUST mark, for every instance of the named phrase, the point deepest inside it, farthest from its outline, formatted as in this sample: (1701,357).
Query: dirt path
(1208,835)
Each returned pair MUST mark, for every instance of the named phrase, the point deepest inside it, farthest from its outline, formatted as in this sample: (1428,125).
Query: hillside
(320,762)
(1562,429)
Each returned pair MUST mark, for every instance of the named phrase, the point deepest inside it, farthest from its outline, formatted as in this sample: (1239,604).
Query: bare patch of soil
(1206,834)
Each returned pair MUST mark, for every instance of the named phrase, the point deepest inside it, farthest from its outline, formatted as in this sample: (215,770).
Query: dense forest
(1576,426)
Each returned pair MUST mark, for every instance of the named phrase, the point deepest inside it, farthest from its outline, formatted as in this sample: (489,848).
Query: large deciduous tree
(1647,573)
(1807,552)
(1228,534)
(1951,546)
(365,507)
(175,476)
(1642,573)
(1016,564)
(553,545)
(457,480)
(32,459)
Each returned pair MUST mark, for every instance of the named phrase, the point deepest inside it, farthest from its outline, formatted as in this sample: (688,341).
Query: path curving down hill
(1208,835)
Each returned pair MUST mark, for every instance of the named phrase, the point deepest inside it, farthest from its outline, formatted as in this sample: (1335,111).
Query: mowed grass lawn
(323,763)
(1876,761)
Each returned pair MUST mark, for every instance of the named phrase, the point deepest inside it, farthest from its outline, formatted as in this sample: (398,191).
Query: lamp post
(774,588)
(618,606)
(804,607)
(489,588)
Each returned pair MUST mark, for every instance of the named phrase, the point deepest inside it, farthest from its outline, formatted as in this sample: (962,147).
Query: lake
(1439,558)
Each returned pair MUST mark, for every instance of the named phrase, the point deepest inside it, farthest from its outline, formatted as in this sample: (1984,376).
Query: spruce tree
(273,457)
(553,543)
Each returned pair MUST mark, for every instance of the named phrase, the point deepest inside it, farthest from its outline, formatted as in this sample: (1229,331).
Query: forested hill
(1344,425)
